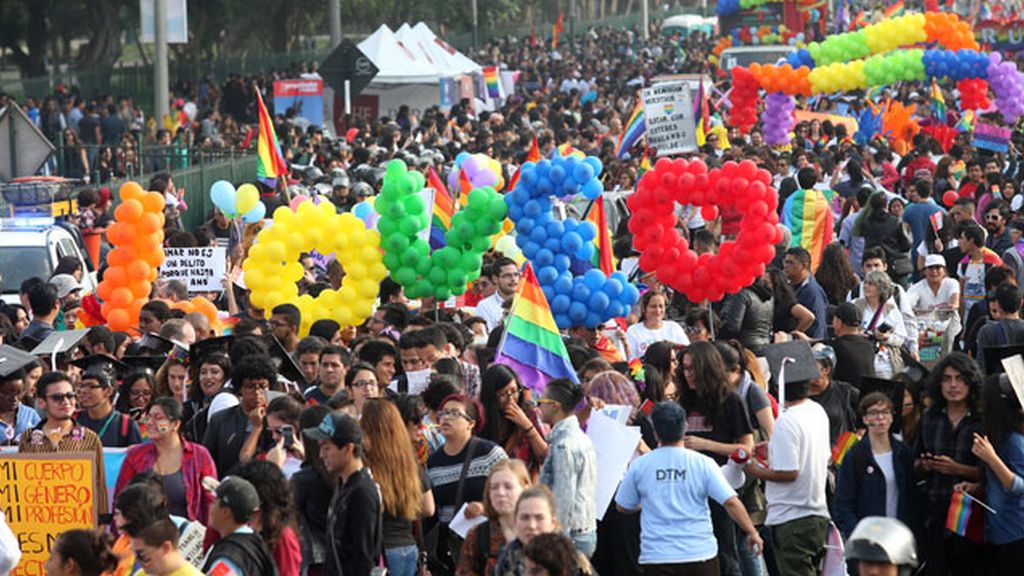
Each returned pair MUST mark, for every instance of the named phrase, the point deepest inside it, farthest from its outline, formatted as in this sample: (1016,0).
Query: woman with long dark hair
(716,425)
(835,274)
(134,394)
(211,373)
(276,518)
(81,553)
(404,487)
(664,357)
(510,419)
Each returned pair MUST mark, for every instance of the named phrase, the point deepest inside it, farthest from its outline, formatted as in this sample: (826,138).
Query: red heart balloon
(740,261)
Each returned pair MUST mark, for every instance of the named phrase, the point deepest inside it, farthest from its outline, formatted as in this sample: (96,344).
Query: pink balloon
(298,199)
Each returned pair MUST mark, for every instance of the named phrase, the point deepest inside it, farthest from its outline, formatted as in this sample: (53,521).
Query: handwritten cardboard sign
(201,269)
(669,116)
(43,495)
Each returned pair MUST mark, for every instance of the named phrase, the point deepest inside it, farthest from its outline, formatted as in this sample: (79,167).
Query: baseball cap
(341,429)
(65,284)
(239,496)
(824,353)
(934,260)
(847,313)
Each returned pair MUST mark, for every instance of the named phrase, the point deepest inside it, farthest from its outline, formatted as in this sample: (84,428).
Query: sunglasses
(70,397)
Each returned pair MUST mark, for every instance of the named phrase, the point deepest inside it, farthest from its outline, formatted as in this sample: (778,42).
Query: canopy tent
(397,64)
(449,60)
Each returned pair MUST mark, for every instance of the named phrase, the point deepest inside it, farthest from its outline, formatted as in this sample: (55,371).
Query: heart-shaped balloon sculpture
(558,248)
(739,262)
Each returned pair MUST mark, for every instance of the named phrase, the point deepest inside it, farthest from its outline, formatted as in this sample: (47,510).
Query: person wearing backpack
(1006,327)
(95,396)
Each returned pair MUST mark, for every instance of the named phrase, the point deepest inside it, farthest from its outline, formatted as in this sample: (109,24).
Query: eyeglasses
(70,397)
(156,418)
(507,395)
(452,414)
(877,413)
(140,393)
(547,401)
(364,384)
(81,387)
(993,217)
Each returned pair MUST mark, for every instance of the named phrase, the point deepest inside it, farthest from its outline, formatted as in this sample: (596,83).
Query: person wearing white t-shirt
(652,326)
(795,477)
(670,487)
(936,291)
(505,274)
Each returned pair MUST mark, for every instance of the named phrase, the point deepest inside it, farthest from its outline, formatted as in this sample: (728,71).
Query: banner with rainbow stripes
(492,82)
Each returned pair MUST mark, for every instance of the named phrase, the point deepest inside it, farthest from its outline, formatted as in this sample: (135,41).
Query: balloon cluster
(959,65)
(137,236)
(973,94)
(203,306)
(782,78)
(556,247)
(481,170)
(840,48)
(743,98)
(272,267)
(766,34)
(949,30)
(407,255)
(800,58)
(778,118)
(243,203)
(1007,86)
(739,262)
(728,7)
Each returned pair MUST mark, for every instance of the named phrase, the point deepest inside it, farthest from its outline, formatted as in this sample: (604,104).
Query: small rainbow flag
(632,132)
(843,444)
(964,519)
(967,121)
(270,162)
(701,114)
(938,102)
(532,156)
(894,10)
(444,209)
(808,216)
(531,344)
(602,259)
(465,187)
(491,80)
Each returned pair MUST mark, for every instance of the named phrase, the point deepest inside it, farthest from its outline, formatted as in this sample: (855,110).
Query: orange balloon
(184,305)
(153,274)
(149,223)
(103,290)
(155,257)
(129,211)
(131,191)
(153,202)
(117,276)
(141,289)
(106,308)
(138,270)
(121,297)
(121,255)
(119,320)
(136,307)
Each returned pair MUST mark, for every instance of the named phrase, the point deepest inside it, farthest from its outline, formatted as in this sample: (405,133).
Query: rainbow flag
(701,114)
(633,131)
(532,156)
(843,444)
(531,344)
(808,216)
(645,165)
(270,162)
(465,187)
(894,10)
(557,29)
(491,80)
(964,519)
(966,123)
(938,102)
(602,259)
(444,209)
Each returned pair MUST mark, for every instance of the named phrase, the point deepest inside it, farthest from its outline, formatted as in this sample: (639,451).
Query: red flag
(533,37)
(465,187)
(435,182)
(557,29)
(534,154)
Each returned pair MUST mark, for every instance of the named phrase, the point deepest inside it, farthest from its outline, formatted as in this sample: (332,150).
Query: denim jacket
(570,470)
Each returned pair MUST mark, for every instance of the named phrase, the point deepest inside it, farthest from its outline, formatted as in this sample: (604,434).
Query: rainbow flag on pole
(491,80)
(938,102)
(894,10)
(631,133)
(531,344)
(701,114)
(843,444)
(444,209)
(964,519)
(533,155)
(270,162)
(808,215)
(602,259)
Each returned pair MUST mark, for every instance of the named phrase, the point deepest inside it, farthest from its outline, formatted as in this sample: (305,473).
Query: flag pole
(282,181)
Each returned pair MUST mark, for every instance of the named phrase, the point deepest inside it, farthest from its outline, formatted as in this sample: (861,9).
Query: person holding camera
(282,421)
(882,321)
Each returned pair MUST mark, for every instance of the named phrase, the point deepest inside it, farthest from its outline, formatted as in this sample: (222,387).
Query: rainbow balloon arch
(878,55)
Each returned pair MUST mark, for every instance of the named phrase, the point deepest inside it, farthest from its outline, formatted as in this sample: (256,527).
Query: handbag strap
(878,314)
(470,450)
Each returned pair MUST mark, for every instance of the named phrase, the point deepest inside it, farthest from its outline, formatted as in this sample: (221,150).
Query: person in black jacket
(239,550)
(747,316)
(880,228)
(354,521)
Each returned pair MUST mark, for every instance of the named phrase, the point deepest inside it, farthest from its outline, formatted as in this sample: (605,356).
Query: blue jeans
(750,564)
(586,543)
(402,561)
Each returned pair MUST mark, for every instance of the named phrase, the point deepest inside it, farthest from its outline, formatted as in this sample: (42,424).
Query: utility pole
(334,15)
(476,25)
(645,15)
(161,89)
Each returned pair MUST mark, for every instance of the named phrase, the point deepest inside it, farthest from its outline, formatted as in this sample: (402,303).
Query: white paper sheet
(462,525)
(615,445)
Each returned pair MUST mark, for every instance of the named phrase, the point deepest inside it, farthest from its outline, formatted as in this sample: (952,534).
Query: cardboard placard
(669,116)
(43,495)
(201,269)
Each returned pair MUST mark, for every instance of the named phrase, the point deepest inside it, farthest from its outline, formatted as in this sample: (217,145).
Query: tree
(24,31)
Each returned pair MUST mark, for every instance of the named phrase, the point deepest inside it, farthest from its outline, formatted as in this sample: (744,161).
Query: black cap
(238,495)
(107,370)
(61,342)
(13,362)
(847,313)
(283,361)
(891,388)
(151,363)
(340,428)
(202,348)
(155,343)
(799,358)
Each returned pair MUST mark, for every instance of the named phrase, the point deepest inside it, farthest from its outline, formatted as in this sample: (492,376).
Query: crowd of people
(352,448)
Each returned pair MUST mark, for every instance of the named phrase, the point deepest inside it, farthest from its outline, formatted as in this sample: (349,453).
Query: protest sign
(201,269)
(805,116)
(669,115)
(991,137)
(43,495)
(305,96)
(614,445)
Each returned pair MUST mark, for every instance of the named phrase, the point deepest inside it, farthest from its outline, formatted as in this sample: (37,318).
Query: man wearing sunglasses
(58,432)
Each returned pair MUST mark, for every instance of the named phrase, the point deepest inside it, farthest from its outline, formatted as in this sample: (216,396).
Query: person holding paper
(670,487)
(483,543)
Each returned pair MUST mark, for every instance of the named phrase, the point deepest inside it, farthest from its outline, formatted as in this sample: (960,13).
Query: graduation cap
(198,350)
(13,362)
(994,355)
(60,343)
(108,369)
(1014,366)
(283,361)
(891,388)
(155,344)
(151,363)
(800,365)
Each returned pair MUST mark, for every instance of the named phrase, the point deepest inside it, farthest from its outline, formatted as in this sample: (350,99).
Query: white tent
(449,60)
(396,62)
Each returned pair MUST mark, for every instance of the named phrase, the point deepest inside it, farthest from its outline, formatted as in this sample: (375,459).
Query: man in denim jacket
(570,469)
